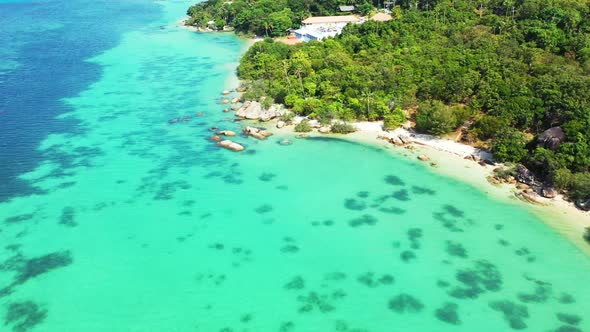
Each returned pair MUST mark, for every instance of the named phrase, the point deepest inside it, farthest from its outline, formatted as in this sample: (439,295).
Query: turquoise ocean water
(114,220)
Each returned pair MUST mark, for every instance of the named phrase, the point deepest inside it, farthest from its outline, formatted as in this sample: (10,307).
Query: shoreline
(449,156)
(562,216)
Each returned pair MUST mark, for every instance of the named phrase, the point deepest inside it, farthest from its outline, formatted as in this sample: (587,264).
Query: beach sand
(448,155)
(559,214)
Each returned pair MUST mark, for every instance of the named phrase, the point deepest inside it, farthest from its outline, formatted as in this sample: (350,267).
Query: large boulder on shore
(524,175)
(551,138)
(253,110)
(549,192)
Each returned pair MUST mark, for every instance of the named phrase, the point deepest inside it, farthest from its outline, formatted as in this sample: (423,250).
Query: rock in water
(257,133)
(230,145)
(226,92)
(423,157)
(226,133)
(280,124)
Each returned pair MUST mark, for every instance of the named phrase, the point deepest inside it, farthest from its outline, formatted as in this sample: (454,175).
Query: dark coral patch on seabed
(405,303)
(24,316)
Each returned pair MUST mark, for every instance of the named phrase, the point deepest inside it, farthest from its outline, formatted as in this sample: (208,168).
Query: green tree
(509,146)
(435,118)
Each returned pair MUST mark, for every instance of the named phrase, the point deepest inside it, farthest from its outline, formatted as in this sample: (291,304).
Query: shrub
(488,126)
(266,102)
(507,172)
(287,117)
(509,145)
(343,128)
(435,118)
(395,119)
(303,127)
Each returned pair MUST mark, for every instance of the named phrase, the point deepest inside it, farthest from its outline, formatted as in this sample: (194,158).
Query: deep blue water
(43,49)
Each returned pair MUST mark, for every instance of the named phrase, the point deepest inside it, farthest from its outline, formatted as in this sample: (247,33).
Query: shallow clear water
(123,222)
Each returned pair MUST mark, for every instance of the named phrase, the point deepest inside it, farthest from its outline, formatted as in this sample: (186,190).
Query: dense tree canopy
(264,17)
(508,70)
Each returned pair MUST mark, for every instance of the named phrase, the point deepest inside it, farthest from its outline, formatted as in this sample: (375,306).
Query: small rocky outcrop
(324,130)
(226,133)
(524,175)
(225,101)
(215,138)
(423,157)
(549,192)
(235,100)
(231,145)
(280,124)
(551,138)
(257,133)
(226,92)
(530,196)
(583,204)
(397,139)
(253,110)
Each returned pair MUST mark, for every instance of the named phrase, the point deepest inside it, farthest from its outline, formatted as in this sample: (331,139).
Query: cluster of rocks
(398,139)
(479,160)
(256,132)
(253,110)
(530,188)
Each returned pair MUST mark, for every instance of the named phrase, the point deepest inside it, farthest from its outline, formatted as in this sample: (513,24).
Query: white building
(320,27)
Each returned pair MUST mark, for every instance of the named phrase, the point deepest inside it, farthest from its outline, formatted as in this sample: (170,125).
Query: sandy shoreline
(449,157)
(560,215)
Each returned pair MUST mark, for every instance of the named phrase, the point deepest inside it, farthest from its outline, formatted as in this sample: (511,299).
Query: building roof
(331,19)
(382,17)
(346,8)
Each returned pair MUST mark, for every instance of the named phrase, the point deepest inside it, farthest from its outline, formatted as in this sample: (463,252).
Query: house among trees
(346,9)
(321,27)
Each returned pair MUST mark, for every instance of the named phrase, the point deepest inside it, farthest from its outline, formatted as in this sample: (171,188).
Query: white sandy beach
(449,156)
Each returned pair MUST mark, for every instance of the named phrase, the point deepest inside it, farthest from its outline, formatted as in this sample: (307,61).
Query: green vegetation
(340,127)
(505,70)
(264,17)
(587,235)
(395,119)
(303,127)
